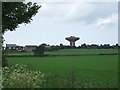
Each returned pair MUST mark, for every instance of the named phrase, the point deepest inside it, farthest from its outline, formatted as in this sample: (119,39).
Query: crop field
(72,51)
(101,68)
(84,51)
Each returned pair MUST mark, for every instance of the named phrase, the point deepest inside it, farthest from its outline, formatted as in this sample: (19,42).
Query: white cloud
(44,6)
(53,10)
(79,10)
(112,19)
(70,12)
(71,0)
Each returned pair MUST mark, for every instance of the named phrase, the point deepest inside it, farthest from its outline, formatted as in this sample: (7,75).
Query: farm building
(14,47)
(30,48)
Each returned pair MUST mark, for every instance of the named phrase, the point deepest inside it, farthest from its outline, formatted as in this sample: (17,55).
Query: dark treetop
(15,13)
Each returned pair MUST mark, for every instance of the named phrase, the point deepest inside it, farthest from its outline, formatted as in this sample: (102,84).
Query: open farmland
(70,51)
(103,69)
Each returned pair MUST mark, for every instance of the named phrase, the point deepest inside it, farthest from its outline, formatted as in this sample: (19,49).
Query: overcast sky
(93,22)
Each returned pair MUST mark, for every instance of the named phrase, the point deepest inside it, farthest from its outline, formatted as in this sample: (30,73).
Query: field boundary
(62,55)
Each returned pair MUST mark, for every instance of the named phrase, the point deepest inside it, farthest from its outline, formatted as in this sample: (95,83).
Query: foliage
(19,76)
(39,51)
(15,13)
(61,46)
(95,46)
(53,48)
(82,46)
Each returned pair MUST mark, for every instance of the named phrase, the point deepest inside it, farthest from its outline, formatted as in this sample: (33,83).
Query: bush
(39,51)
(19,76)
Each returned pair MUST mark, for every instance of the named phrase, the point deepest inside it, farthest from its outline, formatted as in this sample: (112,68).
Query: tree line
(82,46)
(39,51)
(102,46)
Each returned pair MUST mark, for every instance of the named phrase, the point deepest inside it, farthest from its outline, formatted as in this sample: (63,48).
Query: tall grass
(70,81)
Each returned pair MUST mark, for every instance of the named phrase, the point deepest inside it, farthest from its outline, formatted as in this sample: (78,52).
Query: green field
(84,51)
(72,51)
(103,68)
(69,51)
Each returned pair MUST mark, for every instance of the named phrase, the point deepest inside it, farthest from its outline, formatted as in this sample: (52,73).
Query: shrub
(39,51)
(19,76)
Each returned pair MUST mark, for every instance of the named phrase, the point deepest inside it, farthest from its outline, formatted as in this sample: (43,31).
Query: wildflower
(19,76)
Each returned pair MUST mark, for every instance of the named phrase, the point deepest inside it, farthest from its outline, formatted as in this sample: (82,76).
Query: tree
(94,46)
(39,51)
(84,46)
(14,14)
(61,46)
(117,46)
(106,46)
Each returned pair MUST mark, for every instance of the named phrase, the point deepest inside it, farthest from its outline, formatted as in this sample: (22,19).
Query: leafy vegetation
(16,13)
(39,51)
(83,46)
(18,76)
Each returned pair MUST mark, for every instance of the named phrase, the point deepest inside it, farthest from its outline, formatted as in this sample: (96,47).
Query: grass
(72,51)
(101,68)
(83,51)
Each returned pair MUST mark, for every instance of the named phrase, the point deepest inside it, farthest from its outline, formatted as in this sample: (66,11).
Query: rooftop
(31,46)
(11,45)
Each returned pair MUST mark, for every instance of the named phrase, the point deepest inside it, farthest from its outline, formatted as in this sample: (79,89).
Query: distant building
(11,47)
(47,46)
(14,47)
(30,48)
(20,48)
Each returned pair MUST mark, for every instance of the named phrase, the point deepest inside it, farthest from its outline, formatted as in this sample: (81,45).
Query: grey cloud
(100,10)
(78,12)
